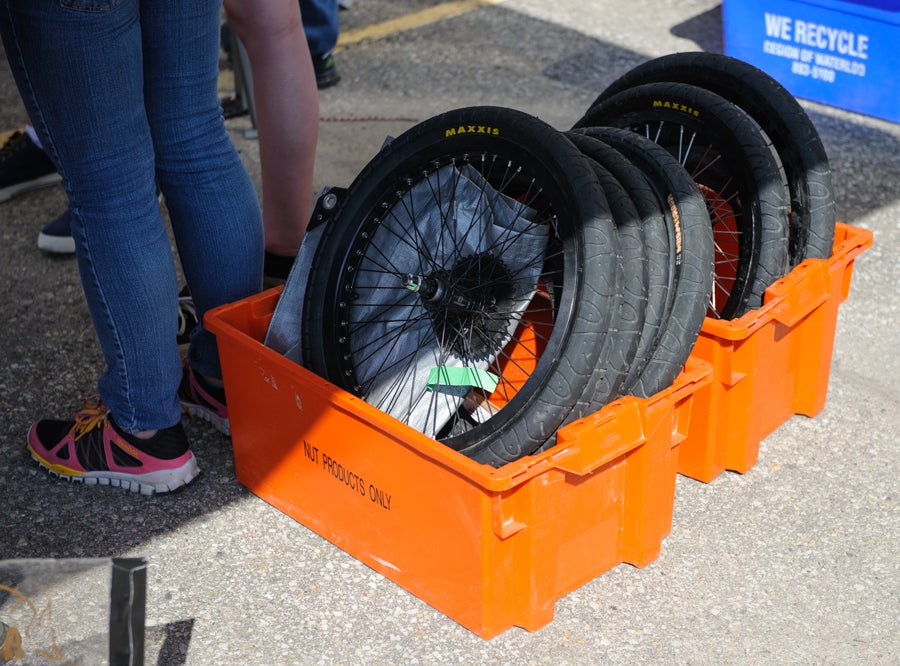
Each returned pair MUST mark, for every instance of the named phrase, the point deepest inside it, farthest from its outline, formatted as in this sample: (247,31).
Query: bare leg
(287,113)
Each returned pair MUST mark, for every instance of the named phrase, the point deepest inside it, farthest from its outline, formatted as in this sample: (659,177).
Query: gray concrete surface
(794,562)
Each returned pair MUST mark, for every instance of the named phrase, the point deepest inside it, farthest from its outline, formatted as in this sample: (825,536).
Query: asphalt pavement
(793,562)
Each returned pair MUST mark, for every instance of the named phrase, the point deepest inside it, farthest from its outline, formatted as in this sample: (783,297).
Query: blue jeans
(320,23)
(123,94)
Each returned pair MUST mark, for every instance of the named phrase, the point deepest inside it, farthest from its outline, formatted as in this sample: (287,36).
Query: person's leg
(287,111)
(109,167)
(211,200)
(104,153)
(132,437)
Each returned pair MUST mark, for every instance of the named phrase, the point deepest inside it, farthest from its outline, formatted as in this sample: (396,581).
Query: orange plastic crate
(490,548)
(771,363)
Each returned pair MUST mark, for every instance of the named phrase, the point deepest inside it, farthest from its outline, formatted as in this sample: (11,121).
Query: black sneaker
(91,449)
(56,236)
(326,72)
(23,167)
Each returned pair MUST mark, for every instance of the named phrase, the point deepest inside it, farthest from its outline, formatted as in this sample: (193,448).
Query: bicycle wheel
(734,166)
(468,282)
(690,265)
(644,207)
(779,114)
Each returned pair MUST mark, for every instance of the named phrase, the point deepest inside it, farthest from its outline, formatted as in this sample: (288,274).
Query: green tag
(452,376)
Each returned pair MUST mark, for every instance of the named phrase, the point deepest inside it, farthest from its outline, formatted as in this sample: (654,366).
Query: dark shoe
(203,401)
(276,269)
(326,72)
(91,449)
(24,167)
(56,236)
(187,316)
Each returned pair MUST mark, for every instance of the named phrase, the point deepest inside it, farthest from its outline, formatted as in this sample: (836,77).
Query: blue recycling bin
(838,52)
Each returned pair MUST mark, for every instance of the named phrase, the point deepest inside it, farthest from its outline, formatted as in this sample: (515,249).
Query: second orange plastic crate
(769,364)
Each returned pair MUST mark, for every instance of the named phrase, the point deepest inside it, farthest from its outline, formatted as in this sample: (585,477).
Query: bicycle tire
(782,118)
(735,167)
(654,236)
(547,366)
(627,326)
(691,249)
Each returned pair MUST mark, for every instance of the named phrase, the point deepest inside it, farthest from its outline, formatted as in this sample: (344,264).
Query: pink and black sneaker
(93,450)
(203,401)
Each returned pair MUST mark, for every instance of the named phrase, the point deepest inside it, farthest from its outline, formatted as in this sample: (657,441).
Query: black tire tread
(692,265)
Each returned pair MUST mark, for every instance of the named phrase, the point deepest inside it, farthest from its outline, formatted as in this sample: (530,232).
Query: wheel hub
(470,304)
